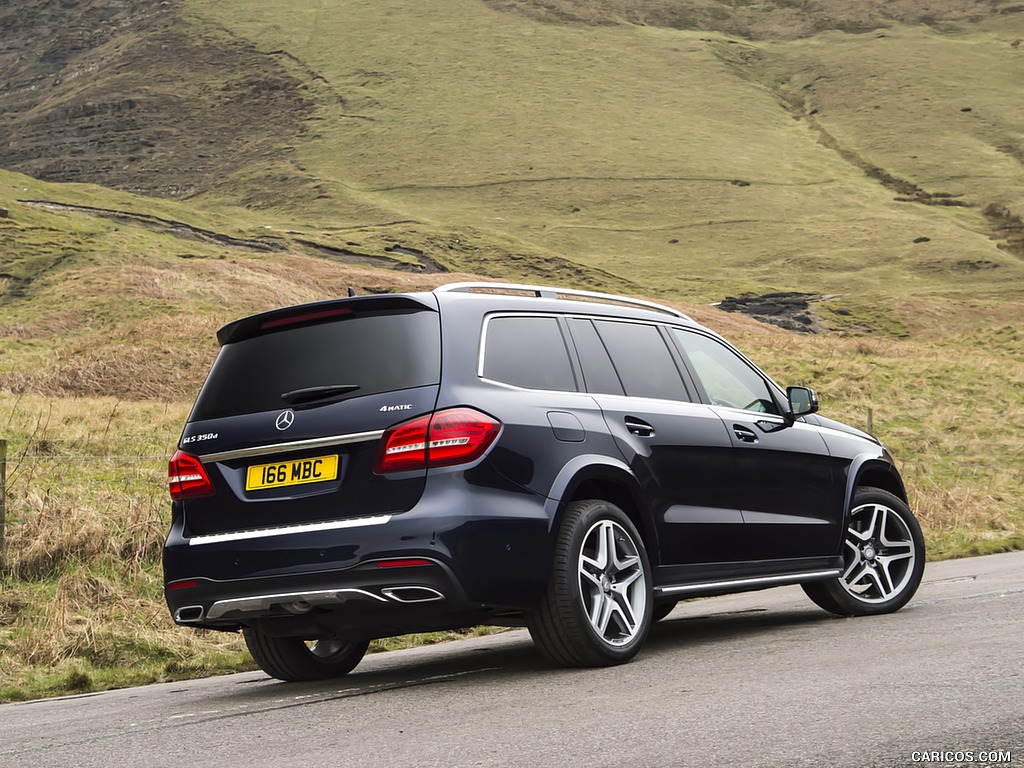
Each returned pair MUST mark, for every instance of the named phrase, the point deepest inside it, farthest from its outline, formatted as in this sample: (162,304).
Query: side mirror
(802,401)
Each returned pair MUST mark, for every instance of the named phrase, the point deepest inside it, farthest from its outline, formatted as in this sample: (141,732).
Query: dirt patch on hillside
(127,94)
(788,310)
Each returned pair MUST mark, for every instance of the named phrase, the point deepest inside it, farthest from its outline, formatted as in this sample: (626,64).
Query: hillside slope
(843,149)
(287,151)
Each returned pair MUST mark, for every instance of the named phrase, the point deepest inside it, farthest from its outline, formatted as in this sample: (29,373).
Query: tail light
(440,439)
(187,477)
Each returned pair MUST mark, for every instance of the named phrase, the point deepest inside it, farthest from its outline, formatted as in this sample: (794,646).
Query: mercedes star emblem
(285,420)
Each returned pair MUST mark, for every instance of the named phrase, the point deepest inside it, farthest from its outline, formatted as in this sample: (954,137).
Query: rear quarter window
(528,352)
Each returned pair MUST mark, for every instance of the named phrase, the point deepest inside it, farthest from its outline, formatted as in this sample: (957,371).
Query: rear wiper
(313,394)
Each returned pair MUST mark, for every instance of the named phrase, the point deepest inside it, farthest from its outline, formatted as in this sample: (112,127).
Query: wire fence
(3,492)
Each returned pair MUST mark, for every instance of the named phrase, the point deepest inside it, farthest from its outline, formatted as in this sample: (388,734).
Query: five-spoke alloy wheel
(597,610)
(883,556)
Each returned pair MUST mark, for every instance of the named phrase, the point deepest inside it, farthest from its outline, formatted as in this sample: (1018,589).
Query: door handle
(639,427)
(744,434)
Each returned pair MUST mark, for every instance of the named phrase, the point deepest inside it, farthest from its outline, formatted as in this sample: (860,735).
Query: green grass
(621,145)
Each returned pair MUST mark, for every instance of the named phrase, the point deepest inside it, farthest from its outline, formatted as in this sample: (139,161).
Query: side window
(527,352)
(642,360)
(727,378)
(598,371)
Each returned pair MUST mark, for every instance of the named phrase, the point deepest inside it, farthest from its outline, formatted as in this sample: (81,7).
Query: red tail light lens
(187,478)
(459,435)
(404,447)
(441,439)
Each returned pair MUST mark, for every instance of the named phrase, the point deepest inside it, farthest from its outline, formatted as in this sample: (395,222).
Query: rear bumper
(461,556)
(369,600)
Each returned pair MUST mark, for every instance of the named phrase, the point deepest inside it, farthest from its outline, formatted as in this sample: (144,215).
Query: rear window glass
(642,360)
(527,352)
(597,366)
(379,353)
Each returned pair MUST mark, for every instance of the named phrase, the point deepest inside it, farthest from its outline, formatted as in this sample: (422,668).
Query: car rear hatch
(287,426)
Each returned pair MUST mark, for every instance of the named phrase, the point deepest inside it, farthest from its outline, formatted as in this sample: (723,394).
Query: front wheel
(597,610)
(295,660)
(883,559)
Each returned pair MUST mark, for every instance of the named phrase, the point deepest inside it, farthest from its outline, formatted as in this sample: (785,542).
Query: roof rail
(548,292)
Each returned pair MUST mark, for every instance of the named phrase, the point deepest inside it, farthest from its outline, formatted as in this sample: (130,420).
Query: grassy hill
(167,167)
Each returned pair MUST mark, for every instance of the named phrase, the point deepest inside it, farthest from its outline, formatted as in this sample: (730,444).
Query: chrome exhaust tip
(412,594)
(189,614)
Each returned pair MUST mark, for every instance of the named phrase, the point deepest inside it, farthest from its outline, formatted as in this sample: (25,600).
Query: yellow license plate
(297,472)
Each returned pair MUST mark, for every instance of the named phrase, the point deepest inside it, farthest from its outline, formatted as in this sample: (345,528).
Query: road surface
(759,679)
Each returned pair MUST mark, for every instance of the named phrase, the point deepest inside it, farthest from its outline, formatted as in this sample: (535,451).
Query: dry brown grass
(82,603)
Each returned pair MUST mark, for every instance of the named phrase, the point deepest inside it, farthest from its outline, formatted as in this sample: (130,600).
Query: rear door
(288,423)
(677,448)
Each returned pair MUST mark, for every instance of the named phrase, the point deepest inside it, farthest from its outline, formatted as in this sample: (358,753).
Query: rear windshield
(378,353)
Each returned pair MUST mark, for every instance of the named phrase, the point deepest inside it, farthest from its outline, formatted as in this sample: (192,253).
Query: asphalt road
(762,679)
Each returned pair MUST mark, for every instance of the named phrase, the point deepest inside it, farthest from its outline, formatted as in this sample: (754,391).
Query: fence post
(3,493)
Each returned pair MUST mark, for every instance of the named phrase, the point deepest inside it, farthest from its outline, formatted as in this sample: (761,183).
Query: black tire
(883,553)
(661,610)
(292,660)
(597,610)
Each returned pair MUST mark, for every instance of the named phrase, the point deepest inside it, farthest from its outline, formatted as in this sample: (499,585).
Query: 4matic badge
(389,408)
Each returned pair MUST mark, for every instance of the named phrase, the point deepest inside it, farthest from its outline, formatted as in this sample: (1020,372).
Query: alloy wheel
(880,553)
(612,582)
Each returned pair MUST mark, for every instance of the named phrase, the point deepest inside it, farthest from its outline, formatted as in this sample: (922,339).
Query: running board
(758,581)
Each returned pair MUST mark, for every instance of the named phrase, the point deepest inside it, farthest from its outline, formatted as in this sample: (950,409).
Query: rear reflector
(411,562)
(187,478)
(182,584)
(440,439)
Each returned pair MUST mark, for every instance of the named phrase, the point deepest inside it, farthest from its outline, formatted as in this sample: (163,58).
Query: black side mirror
(802,401)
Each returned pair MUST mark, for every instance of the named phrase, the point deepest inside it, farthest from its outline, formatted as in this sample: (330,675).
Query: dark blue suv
(510,455)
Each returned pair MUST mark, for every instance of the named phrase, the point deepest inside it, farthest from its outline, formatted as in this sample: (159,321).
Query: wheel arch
(874,472)
(600,477)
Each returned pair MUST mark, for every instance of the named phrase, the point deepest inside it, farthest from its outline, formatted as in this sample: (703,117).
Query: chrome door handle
(639,427)
(744,434)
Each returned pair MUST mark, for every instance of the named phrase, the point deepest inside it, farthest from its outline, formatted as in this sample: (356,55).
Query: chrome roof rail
(548,292)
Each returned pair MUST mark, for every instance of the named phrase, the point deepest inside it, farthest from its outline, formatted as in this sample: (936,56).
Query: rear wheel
(597,610)
(295,660)
(883,556)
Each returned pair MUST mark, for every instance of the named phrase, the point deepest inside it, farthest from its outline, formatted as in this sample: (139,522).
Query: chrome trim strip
(265,602)
(758,581)
(288,530)
(298,445)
